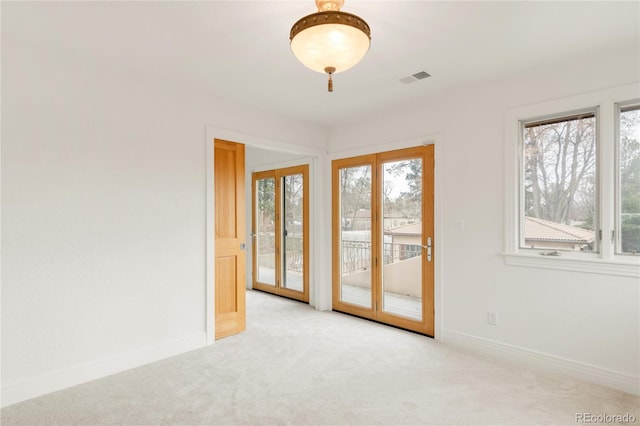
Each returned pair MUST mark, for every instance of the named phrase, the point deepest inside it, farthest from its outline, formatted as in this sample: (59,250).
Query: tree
(355,193)
(292,202)
(560,164)
(266,193)
(630,180)
(409,202)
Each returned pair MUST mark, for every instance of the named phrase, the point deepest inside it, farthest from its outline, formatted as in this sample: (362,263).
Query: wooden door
(383,242)
(280,232)
(230,241)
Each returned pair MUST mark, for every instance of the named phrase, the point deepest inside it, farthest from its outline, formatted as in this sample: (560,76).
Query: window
(573,183)
(559,194)
(628,188)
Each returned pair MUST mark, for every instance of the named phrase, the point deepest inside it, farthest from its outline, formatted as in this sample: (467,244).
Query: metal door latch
(428,249)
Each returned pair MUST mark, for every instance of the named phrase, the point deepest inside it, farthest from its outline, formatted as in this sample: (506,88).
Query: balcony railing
(356,255)
(294,255)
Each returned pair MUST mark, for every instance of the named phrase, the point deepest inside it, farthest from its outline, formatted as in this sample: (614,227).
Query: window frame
(562,117)
(606,260)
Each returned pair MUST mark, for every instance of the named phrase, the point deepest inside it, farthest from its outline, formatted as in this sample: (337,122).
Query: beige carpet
(297,366)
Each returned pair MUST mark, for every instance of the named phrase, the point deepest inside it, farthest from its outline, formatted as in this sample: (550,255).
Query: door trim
(317,273)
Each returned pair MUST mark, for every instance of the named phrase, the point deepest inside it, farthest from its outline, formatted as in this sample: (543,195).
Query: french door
(383,247)
(280,232)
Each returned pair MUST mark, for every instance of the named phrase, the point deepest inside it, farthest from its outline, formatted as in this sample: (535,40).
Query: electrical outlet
(492,318)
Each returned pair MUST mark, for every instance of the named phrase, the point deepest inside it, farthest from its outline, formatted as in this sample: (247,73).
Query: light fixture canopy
(330,41)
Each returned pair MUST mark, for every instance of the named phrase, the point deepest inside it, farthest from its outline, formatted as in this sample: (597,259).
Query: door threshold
(279,295)
(383,323)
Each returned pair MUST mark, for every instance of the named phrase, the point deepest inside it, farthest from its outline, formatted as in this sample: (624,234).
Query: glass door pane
(265,231)
(292,232)
(402,238)
(355,235)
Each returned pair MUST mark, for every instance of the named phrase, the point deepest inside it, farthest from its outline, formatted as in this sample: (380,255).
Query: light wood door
(383,237)
(280,232)
(230,241)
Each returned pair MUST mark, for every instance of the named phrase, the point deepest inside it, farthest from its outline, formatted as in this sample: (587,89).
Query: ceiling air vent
(415,77)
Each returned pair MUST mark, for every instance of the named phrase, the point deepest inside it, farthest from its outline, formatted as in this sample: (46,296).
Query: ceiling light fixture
(330,41)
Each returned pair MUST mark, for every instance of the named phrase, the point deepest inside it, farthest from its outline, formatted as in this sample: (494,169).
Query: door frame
(375,311)
(438,141)
(317,273)
(277,174)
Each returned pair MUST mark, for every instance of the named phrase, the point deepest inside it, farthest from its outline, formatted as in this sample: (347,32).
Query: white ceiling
(239,50)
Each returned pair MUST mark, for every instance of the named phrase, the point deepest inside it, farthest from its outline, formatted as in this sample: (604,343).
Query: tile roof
(410,229)
(545,230)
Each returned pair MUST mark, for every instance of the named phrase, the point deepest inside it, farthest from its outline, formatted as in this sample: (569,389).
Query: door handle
(428,248)
(243,246)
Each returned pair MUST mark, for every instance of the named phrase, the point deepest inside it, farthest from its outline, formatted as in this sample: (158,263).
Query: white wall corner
(57,380)
(579,370)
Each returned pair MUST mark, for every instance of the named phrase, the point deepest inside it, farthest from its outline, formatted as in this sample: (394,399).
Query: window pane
(629,208)
(402,238)
(560,184)
(292,225)
(355,235)
(265,231)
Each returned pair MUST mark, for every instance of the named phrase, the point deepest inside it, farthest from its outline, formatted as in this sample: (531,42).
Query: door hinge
(600,234)
(613,235)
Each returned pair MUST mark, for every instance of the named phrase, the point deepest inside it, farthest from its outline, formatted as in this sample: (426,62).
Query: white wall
(103,216)
(590,320)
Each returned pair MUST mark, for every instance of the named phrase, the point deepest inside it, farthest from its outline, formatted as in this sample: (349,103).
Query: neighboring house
(405,242)
(540,233)
(395,220)
(360,221)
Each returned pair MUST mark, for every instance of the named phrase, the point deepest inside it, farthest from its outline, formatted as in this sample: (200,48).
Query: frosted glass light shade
(330,39)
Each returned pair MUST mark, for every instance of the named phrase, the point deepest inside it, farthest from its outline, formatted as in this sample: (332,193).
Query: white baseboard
(61,379)
(602,376)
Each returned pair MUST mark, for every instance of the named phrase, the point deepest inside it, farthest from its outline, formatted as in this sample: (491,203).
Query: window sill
(625,268)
